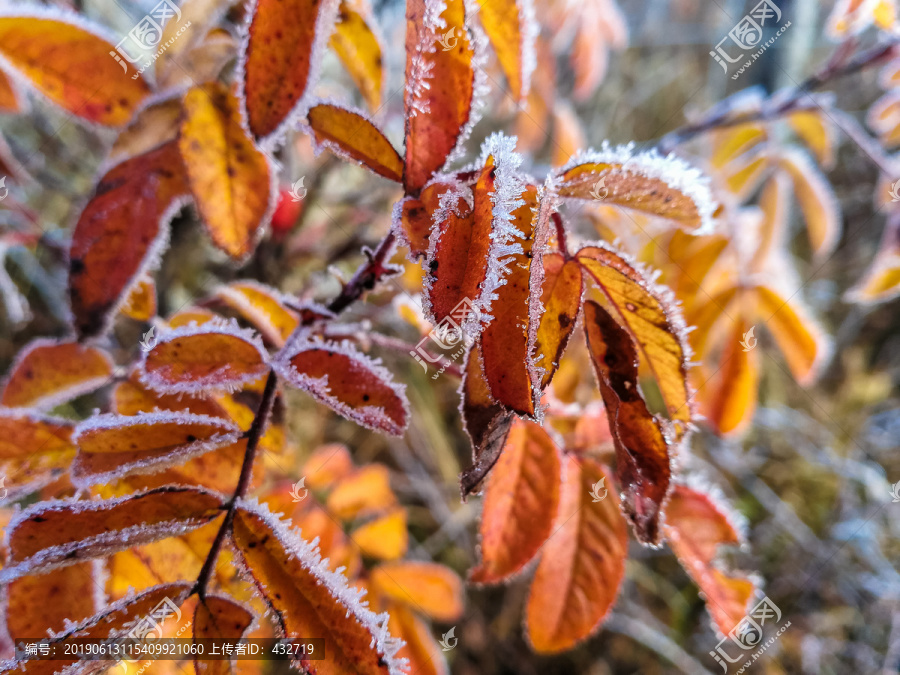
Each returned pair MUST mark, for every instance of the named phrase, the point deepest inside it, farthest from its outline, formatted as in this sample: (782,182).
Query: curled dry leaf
(216,356)
(122,233)
(349,134)
(581,569)
(561,300)
(696,526)
(262,306)
(103,93)
(519,503)
(113,446)
(643,461)
(348,382)
(358,44)
(231,180)
(486,422)
(114,618)
(309,599)
(425,587)
(282,54)
(47,373)
(649,314)
(34,450)
(36,605)
(57,533)
(661,186)
(219,617)
(440,87)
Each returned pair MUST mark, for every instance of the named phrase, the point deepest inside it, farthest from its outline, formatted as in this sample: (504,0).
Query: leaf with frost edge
(370,417)
(308,555)
(80,478)
(231,294)
(14,493)
(194,387)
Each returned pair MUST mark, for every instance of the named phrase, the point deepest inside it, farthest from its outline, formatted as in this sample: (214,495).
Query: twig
(367,276)
(254,433)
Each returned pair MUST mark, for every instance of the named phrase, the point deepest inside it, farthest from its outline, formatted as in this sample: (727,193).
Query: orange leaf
(329,463)
(364,492)
(34,605)
(217,356)
(882,280)
(262,306)
(486,422)
(583,564)
(219,617)
(10,98)
(804,345)
(140,304)
(231,180)
(359,46)
(695,528)
(821,209)
(440,86)
(424,654)
(117,617)
(651,318)
(348,134)
(122,233)
(385,537)
(348,382)
(729,394)
(561,300)
(662,186)
(282,55)
(334,544)
(813,129)
(417,217)
(508,341)
(512,29)
(568,135)
(153,124)
(643,464)
(309,599)
(519,503)
(426,587)
(50,52)
(131,397)
(47,373)
(55,533)
(112,446)
(34,450)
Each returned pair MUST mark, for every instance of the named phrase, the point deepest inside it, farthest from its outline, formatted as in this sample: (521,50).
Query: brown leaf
(57,533)
(231,180)
(309,599)
(214,357)
(349,134)
(581,569)
(643,462)
(348,382)
(695,528)
(561,300)
(219,617)
(153,124)
(34,450)
(113,446)
(122,233)
(417,216)
(47,373)
(440,85)
(519,503)
(282,54)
